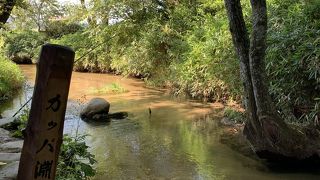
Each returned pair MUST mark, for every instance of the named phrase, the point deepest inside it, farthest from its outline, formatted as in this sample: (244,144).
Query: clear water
(179,140)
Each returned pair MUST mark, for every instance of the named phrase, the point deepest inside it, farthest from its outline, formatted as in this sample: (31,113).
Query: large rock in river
(94,107)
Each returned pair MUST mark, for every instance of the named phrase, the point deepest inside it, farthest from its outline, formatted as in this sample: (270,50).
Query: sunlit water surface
(179,140)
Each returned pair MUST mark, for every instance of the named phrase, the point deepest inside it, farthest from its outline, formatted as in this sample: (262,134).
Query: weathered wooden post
(44,131)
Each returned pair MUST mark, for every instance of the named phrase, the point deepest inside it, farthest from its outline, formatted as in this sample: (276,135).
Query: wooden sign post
(44,131)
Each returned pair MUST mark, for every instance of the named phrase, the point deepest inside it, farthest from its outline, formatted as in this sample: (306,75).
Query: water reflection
(178,141)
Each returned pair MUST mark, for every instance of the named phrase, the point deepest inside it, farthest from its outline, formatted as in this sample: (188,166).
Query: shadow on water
(93,124)
(9,108)
(309,166)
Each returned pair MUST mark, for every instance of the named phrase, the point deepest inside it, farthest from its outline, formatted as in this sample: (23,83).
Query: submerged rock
(103,117)
(118,115)
(95,109)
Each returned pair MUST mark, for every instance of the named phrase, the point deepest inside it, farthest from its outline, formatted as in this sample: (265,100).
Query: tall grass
(113,88)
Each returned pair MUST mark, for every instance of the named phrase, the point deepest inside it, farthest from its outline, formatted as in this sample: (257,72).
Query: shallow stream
(179,140)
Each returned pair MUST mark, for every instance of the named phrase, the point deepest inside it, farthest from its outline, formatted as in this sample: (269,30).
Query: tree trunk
(5,11)
(268,134)
(241,42)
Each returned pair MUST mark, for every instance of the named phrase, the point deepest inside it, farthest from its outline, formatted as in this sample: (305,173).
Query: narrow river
(179,140)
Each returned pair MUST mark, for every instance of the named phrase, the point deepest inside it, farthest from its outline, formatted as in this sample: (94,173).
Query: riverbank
(232,136)
(10,151)
(11,79)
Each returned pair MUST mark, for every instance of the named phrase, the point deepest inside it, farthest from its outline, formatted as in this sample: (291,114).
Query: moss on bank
(11,78)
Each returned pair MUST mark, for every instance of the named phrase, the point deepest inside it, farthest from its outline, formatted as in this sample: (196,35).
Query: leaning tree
(6,7)
(267,132)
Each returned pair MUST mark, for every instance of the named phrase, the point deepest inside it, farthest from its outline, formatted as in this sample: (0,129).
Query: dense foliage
(186,46)
(11,78)
(75,161)
(293,58)
(56,29)
(24,44)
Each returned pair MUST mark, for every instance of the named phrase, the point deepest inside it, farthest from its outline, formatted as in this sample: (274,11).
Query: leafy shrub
(11,78)
(56,29)
(209,69)
(190,51)
(293,62)
(20,44)
(234,115)
(93,58)
(19,124)
(75,161)
(145,56)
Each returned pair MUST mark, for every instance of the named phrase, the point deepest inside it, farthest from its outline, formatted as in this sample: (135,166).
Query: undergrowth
(234,115)
(11,78)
